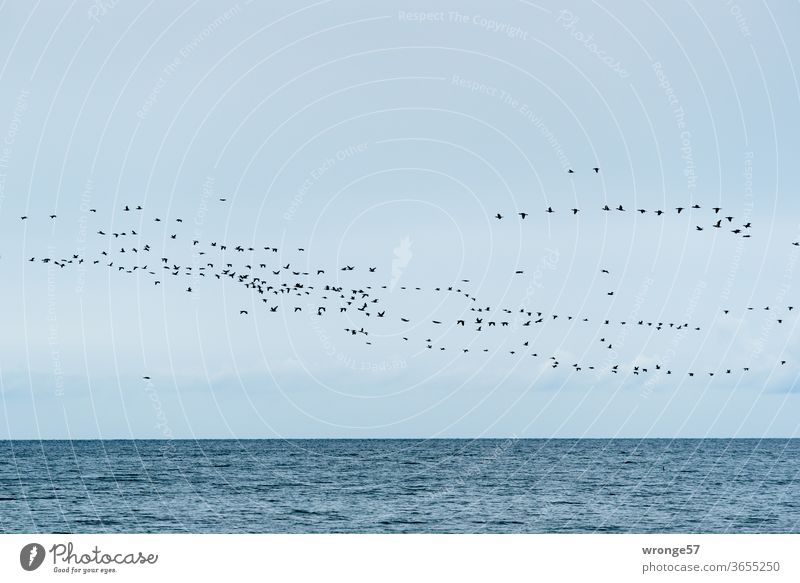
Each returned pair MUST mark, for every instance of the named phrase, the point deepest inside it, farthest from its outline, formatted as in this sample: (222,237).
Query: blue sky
(389,135)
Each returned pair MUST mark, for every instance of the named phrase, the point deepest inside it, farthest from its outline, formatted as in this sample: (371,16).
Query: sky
(389,135)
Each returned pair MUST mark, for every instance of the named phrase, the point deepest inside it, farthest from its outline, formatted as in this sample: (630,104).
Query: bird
(575,211)
(596,170)
(549,210)
(523,215)
(679,209)
(498,216)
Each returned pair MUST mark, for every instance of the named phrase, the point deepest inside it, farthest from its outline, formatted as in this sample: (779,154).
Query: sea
(401,486)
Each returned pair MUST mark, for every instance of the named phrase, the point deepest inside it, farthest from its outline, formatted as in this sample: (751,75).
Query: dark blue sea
(398,486)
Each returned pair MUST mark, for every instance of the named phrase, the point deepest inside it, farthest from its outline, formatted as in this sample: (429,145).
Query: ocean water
(442,486)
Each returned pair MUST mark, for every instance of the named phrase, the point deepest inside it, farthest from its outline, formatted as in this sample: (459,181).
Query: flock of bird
(722,221)
(718,224)
(279,285)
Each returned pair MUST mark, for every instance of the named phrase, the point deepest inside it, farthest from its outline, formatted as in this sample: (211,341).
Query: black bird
(550,210)
(679,209)
(596,170)
(523,215)
(498,216)
(575,211)
(242,312)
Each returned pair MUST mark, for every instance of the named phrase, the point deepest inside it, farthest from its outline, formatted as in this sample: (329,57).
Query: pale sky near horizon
(389,135)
